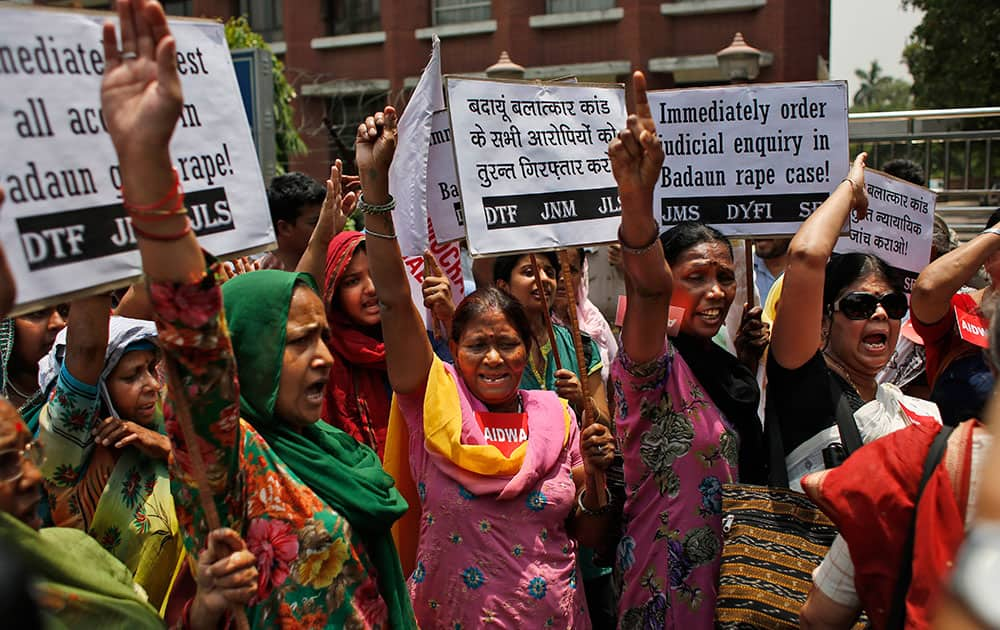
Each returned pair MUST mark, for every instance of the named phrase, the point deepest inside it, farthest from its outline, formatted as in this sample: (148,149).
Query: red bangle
(159,215)
(174,192)
(163,237)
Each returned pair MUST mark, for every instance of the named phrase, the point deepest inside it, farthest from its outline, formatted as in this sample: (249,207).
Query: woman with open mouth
(496,471)
(836,326)
(357,394)
(106,445)
(685,409)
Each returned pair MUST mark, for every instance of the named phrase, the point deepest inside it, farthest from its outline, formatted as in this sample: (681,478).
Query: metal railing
(958,150)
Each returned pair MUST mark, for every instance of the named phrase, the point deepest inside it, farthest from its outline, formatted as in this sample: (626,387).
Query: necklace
(13,388)
(842,371)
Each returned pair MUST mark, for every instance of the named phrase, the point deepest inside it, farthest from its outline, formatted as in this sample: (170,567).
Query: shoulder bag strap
(850,437)
(897,614)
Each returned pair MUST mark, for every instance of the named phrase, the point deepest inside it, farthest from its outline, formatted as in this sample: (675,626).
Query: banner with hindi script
(899,227)
(532,161)
(63,226)
(749,160)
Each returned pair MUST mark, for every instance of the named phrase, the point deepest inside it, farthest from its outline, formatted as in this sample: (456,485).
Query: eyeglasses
(12,460)
(863,305)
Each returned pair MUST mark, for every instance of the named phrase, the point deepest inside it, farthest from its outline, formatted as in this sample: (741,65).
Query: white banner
(899,227)
(63,226)
(444,201)
(407,174)
(750,160)
(532,162)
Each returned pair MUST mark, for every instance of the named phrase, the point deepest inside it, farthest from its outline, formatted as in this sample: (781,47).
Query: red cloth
(942,343)
(357,397)
(870,500)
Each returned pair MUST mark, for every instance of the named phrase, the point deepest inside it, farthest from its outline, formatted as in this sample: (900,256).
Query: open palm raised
(141,91)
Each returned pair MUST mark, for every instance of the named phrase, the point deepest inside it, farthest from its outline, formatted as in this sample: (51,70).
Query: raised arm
(797,330)
(636,158)
(940,280)
(141,99)
(87,337)
(408,352)
(332,219)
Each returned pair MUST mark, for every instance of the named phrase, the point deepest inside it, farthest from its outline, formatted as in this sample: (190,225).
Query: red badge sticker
(506,431)
(972,327)
(674,320)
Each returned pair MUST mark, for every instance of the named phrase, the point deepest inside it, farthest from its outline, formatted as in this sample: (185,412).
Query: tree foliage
(954,53)
(879,92)
(287,138)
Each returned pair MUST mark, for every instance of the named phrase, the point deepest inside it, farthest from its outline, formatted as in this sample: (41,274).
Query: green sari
(77,583)
(357,487)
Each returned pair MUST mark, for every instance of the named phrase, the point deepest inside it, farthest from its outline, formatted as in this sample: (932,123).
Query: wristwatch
(977,572)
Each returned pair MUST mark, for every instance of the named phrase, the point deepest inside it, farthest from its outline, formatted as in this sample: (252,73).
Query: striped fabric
(774,538)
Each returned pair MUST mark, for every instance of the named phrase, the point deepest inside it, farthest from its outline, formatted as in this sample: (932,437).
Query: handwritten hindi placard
(751,160)
(444,201)
(63,225)
(899,227)
(532,162)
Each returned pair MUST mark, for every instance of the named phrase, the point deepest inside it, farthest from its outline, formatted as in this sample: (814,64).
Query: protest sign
(63,225)
(899,227)
(444,202)
(750,160)
(532,161)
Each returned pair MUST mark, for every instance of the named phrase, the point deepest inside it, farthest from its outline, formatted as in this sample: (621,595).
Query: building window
(570,6)
(265,17)
(178,7)
(344,17)
(458,11)
(343,115)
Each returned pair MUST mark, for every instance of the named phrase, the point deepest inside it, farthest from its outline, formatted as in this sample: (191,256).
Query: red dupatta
(357,398)
(870,499)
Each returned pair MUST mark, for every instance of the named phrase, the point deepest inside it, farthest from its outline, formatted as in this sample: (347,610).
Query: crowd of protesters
(321,459)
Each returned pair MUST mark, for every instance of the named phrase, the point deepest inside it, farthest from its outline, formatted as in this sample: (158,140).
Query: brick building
(348,57)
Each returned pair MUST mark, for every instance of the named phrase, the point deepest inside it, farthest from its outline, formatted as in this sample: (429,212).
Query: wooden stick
(589,411)
(545,312)
(748,252)
(182,409)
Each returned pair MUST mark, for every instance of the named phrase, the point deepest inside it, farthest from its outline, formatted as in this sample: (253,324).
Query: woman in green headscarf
(272,315)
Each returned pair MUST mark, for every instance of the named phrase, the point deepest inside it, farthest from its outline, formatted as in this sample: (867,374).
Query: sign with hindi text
(532,161)
(899,227)
(749,160)
(63,225)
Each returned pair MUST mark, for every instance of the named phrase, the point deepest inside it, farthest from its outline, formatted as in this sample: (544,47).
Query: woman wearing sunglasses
(836,326)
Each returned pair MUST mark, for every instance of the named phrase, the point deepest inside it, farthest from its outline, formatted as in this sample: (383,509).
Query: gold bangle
(642,249)
(851,182)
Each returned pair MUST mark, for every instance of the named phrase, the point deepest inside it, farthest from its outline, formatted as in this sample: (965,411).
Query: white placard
(532,162)
(444,201)
(751,160)
(63,226)
(899,227)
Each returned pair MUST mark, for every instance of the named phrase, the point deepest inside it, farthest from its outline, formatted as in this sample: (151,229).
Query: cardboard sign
(63,226)
(444,201)
(972,327)
(506,431)
(752,160)
(899,227)
(532,162)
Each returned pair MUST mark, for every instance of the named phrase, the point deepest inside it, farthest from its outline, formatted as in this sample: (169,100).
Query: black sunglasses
(860,305)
